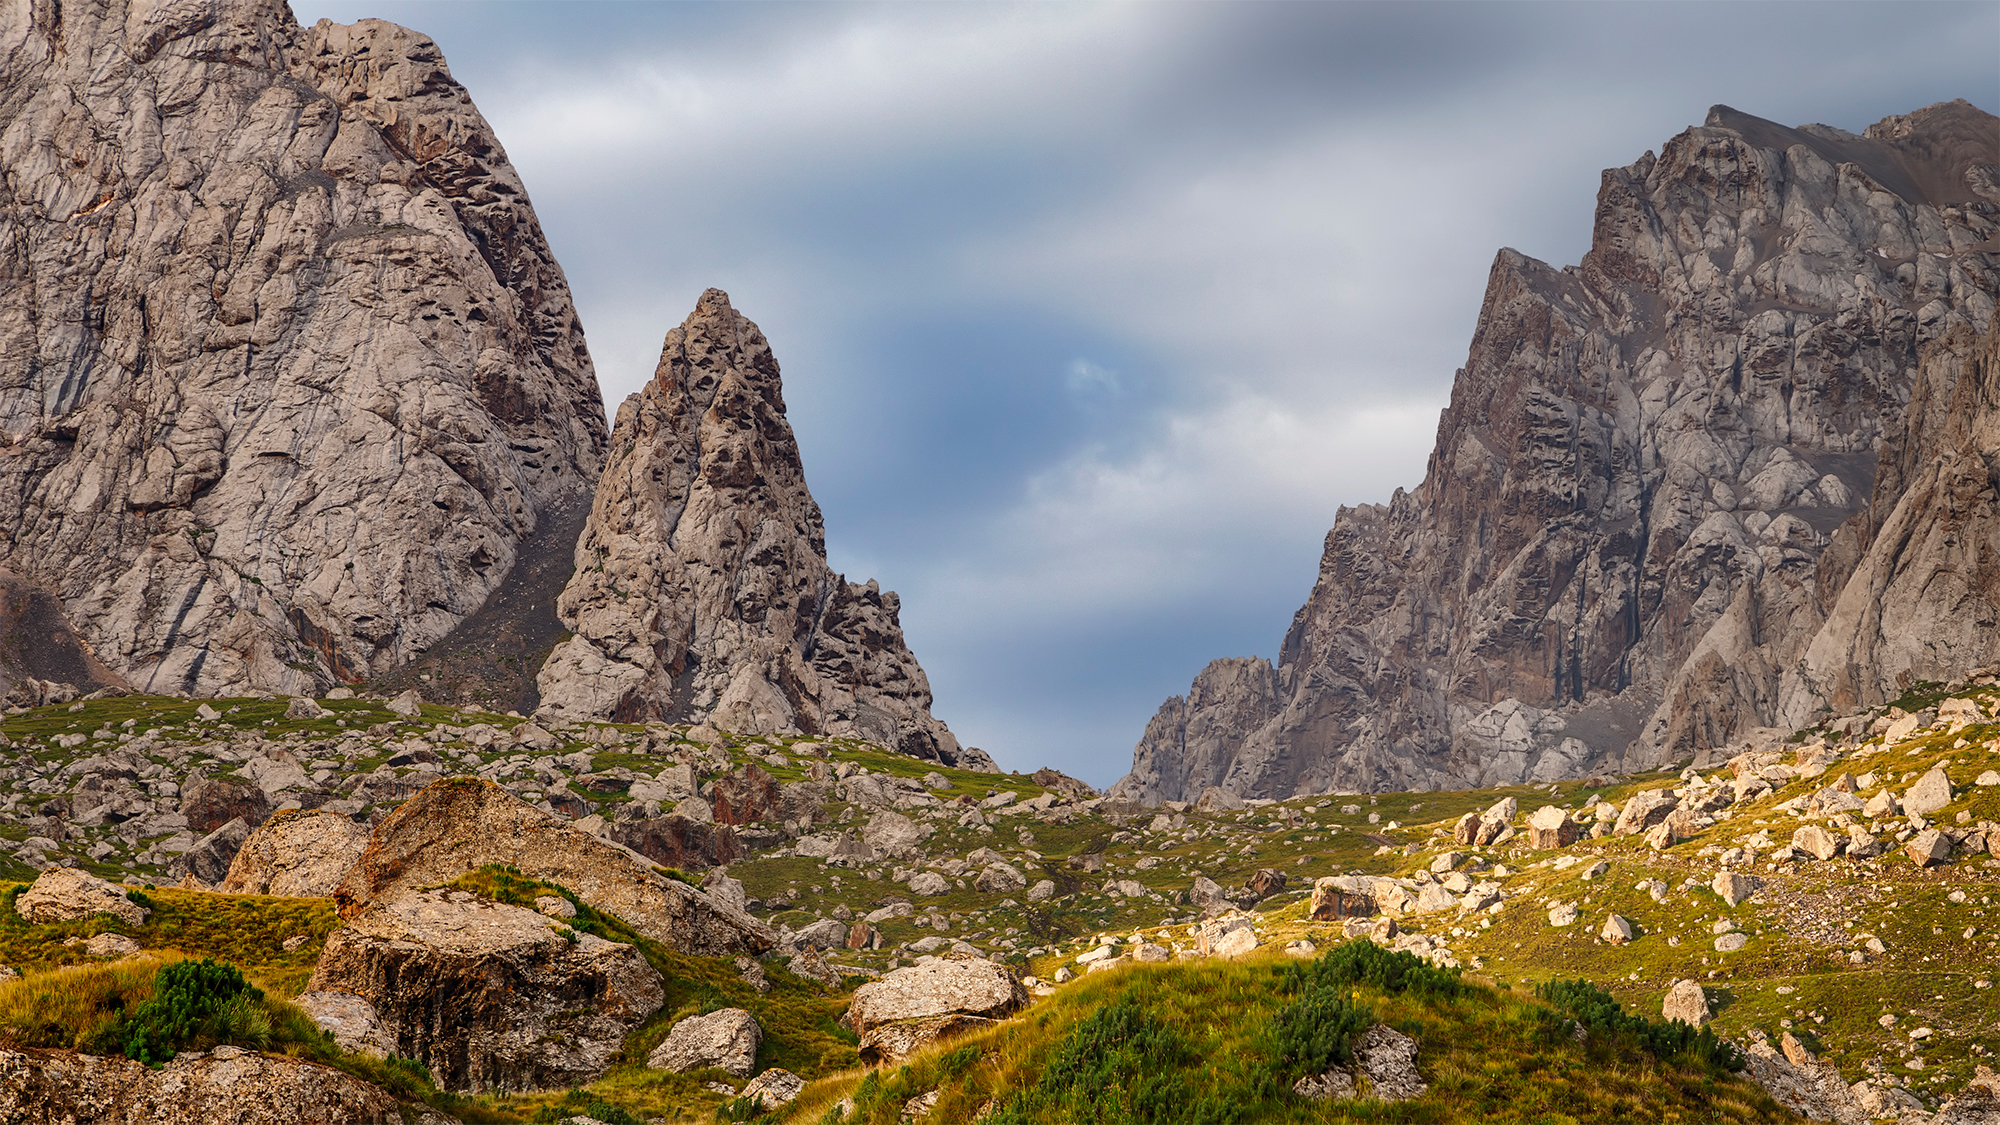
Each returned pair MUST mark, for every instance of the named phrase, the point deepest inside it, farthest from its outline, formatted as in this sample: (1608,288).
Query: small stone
(1562,914)
(1816,842)
(1730,943)
(1236,943)
(1334,1085)
(409,704)
(302,708)
(930,883)
(555,906)
(111,946)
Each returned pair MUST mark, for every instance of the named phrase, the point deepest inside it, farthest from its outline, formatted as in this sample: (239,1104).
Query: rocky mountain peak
(701,587)
(1657,471)
(287,370)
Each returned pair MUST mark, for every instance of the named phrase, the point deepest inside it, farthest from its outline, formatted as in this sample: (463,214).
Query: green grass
(1204,1032)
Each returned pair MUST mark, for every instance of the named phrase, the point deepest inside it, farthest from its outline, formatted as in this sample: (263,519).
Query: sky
(1092,316)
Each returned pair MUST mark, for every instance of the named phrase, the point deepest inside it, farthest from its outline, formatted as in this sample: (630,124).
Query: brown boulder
(745,796)
(679,841)
(297,852)
(1057,781)
(213,802)
(1336,897)
(460,824)
(491,997)
(1266,882)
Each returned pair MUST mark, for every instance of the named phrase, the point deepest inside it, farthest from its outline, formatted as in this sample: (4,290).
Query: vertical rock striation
(1658,470)
(287,370)
(701,587)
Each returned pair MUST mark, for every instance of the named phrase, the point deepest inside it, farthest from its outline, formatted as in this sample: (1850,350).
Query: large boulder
(680,841)
(194,1088)
(211,855)
(1930,793)
(1643,811)
(745,796)
(893,835)
(460,824)
(1337,897)
(64,894)
(213,802)
(1000,878)
(488,996)
(1687,1003)
(727,1039)
(915,1006)
(1551,827)
(302,853)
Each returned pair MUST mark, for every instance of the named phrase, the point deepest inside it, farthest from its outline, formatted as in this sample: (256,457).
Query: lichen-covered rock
(490,996)
(913,1006)
(194,1088)
(290,370)
(64,894)
(1677,496)
(701,583)
(297,852)
(460,824)
(727,1038)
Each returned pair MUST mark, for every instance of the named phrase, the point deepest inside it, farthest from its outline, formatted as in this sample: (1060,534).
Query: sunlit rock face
(701,590)
(1661,477)
(287,370)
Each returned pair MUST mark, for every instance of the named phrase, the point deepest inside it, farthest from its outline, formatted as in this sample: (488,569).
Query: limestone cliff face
(1653,481)
(287,370)
(701,587)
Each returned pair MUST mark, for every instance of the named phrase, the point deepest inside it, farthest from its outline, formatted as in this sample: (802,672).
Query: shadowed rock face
(491,996)
(287,370)
(701,587)
(1656,474)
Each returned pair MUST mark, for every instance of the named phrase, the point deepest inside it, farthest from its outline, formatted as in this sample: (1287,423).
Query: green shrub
(1579,1005)
(195,1003)
(1120,1065)
(582,1103)
(1365,963)
(1316,1031)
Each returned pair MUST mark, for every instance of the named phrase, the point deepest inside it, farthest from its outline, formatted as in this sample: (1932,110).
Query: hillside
(861,861)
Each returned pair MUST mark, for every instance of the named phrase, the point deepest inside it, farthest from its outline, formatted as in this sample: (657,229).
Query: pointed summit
(701,588)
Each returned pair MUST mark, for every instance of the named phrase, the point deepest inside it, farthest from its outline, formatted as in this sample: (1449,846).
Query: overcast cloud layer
(1091,316)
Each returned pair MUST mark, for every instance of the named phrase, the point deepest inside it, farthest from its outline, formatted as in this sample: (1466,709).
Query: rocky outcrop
(915,1006)
(489,996)
(194,1088)
(459,825)
(701,587)
(287,371)
(1657,471)
(298,852)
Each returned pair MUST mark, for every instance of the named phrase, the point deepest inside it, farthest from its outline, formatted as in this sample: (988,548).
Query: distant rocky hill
(1727,473)
(287,370)
(701,584)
